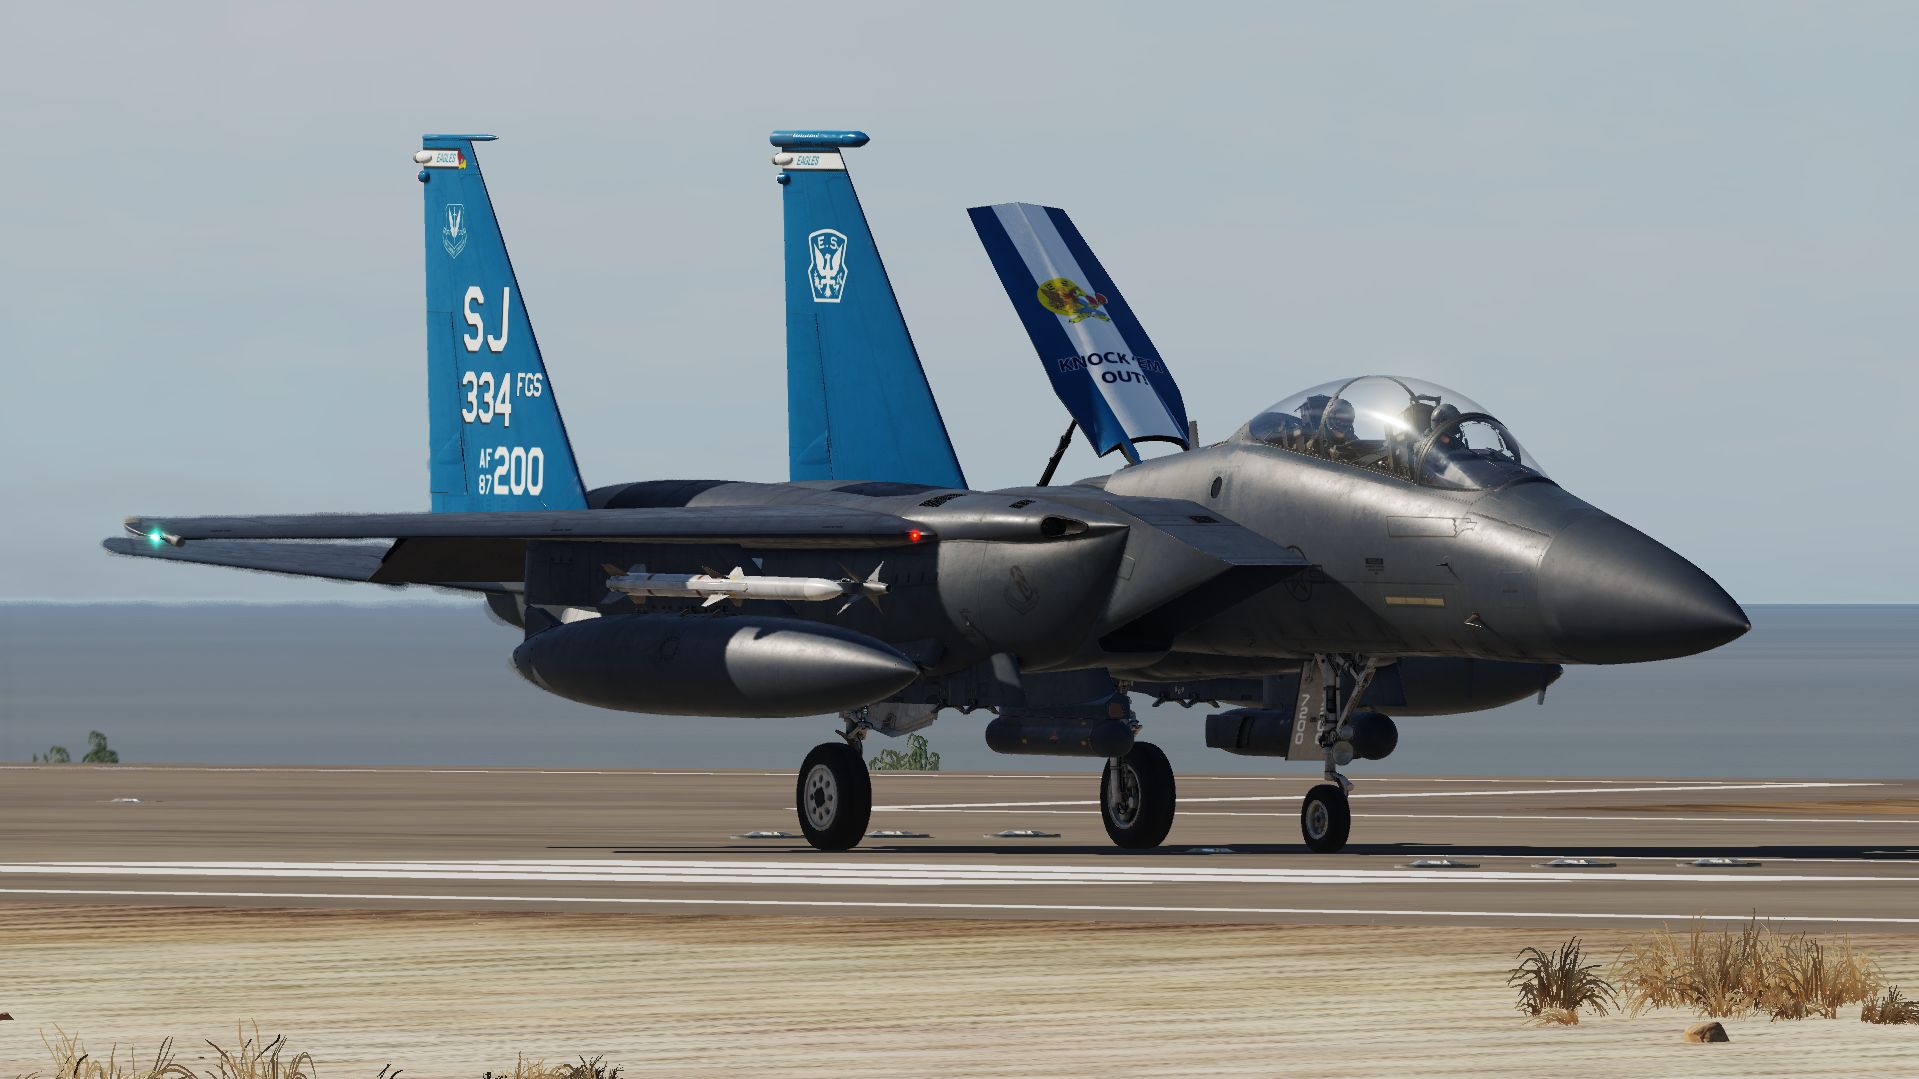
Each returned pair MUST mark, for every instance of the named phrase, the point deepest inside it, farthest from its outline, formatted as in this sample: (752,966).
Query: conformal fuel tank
(701,665)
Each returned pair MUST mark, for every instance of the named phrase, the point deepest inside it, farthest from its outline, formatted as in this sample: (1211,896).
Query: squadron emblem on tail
(454,236)
(826,267)
(1063,297)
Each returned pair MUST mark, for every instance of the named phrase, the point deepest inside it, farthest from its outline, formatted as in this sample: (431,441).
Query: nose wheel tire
(1136,797)
(834,796)
(1326,819)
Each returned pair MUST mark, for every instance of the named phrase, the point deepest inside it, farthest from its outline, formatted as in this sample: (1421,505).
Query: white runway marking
(873,904)
(403,771)
(879,874)
(1517,816)
(1702,820)
(1090,808)
(962,806)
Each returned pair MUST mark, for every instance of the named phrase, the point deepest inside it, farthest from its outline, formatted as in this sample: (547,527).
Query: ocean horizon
(1814,691)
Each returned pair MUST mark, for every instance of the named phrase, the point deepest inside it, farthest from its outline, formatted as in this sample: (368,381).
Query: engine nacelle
(698,665)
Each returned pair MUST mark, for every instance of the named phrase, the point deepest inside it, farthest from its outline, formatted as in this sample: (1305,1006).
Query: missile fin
(717,597)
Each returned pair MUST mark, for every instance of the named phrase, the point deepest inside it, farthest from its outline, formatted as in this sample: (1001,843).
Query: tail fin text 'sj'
(498,442)
(857,403)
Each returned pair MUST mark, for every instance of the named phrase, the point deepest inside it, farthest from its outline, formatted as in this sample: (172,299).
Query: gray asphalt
(1838,853)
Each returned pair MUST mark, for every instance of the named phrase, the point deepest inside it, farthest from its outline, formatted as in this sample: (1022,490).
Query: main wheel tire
(1137,797)
(834,796)
(1326,818)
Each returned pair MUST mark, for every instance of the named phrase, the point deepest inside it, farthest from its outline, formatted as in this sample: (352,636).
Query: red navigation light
(914,535)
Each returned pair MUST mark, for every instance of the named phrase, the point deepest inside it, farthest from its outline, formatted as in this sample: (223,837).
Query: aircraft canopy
(1401,426)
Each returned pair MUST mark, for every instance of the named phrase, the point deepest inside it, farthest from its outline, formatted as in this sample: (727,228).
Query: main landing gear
(1137,797)
(835,794)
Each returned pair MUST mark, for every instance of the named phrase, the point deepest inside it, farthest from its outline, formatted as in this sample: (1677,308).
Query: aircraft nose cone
(1612,594)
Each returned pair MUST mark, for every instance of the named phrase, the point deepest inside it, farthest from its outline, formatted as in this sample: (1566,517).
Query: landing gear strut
(1326,816)
(835,794)
(1137,797)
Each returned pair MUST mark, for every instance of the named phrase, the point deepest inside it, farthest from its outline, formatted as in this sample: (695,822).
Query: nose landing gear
(1326,816)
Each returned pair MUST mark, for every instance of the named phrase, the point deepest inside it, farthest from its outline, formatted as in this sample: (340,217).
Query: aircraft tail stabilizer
(497,439)
(857,403)
(1102,365)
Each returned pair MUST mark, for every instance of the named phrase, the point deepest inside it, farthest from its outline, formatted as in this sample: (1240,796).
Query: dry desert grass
(250,1057)
(1754,969)
(459,993)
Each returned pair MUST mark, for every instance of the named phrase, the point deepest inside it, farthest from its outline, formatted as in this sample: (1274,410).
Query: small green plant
(1554,986)
(1891,1007)
(917,758)
(97,751)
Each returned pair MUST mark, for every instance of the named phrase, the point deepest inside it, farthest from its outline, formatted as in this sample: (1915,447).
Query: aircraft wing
(758,526)
(333,561)
(487,551)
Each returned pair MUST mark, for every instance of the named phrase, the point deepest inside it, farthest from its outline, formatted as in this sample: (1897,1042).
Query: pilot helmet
(1339,418)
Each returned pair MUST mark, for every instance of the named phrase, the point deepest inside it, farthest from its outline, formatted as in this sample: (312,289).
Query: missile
(637,584)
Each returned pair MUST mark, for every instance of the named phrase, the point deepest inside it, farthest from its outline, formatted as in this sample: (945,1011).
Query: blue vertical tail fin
(497,439)
(857,403)
(1103,366)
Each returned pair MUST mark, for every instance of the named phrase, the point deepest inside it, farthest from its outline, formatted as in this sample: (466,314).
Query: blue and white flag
(1103,366)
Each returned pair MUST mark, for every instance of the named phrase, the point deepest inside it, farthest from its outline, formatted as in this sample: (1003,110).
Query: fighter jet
(1372,547)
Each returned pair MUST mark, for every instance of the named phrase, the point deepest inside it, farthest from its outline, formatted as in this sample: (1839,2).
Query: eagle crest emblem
(454,236)
(826,265)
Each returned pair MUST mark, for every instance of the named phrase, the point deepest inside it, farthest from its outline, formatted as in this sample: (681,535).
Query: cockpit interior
(1403,427)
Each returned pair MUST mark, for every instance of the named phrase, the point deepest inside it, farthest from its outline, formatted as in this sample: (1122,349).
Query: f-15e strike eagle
(1369,548)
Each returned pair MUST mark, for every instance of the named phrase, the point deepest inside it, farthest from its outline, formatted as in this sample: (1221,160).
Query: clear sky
(1672,245)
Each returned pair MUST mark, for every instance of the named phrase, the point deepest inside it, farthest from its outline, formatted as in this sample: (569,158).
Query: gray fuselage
(1383,568)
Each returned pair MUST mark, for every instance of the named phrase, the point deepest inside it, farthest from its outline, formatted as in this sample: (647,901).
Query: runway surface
(1843,854)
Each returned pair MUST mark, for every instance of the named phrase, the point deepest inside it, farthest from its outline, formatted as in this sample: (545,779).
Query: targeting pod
(1060,736)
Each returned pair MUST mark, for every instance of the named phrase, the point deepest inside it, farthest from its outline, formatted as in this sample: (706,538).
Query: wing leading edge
(486,551)
(760,526)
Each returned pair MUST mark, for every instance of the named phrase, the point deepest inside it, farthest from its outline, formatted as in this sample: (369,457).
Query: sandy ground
(447,993)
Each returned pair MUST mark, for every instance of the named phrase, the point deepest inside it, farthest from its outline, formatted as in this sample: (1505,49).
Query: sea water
(1812,691)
